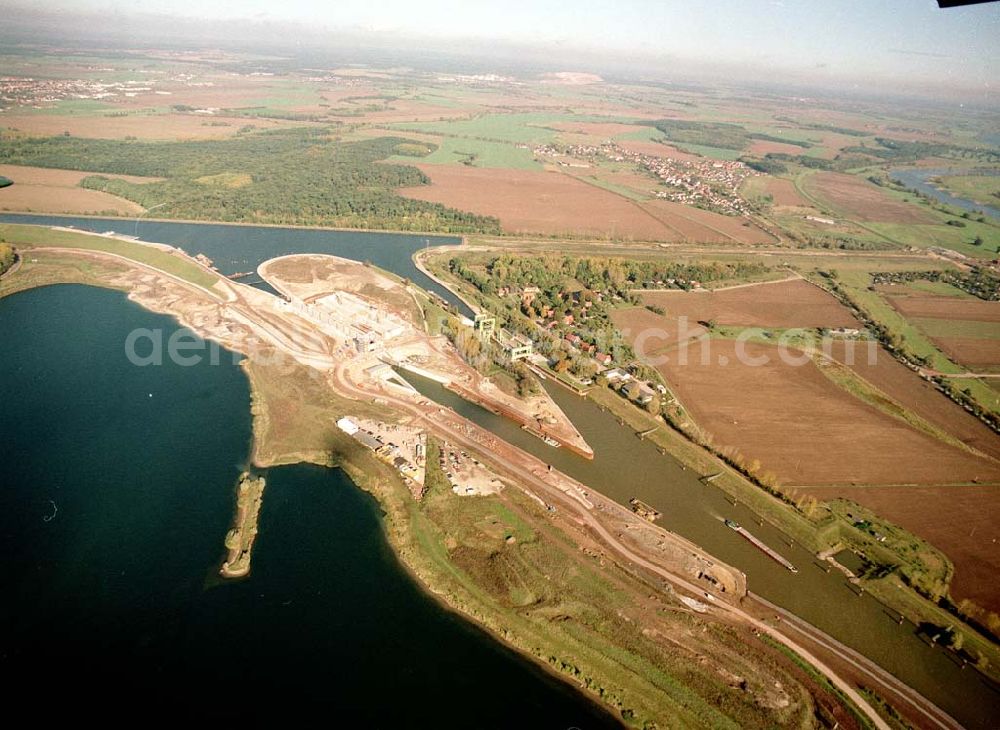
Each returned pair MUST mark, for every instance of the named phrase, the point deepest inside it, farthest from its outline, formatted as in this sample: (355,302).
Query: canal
(623,467)
(238,249)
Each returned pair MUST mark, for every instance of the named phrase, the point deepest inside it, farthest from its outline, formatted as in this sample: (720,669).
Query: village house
(618,375)
(639,392)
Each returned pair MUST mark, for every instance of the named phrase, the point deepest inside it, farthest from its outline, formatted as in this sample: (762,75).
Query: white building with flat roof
(348,426)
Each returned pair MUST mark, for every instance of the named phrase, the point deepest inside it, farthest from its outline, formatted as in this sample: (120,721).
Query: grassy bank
(175,264)
(536,580)
(508,565)
(815,525)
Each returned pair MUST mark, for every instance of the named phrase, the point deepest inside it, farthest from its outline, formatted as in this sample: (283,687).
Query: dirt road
(581,502)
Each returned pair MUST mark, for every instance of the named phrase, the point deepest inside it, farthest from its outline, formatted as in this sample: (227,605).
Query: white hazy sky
(851,38)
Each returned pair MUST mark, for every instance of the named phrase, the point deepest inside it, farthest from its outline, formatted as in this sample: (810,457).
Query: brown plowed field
(44,190)
(914,393)
(25,175)
(804,428)
(959,521)
(530,201)
(973,353)
(762,147)
(936,307)
(784,192)
(54,199)
(781,304)
(861,200)
(714,226)
(651,334)
(159,126)
(685,228)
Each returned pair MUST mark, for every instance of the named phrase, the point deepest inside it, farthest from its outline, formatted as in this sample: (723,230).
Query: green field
(478,153)
(983,189)
(944,236)
(25,235)
(937,288)
(67,107)
(934,327)
(716,153)
(518,128)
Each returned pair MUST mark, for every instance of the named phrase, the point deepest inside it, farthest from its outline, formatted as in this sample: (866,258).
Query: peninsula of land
(240,538)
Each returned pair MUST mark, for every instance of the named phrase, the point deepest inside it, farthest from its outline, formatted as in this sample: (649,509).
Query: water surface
(116,495)
(919,177)
(625,466)
(239,249)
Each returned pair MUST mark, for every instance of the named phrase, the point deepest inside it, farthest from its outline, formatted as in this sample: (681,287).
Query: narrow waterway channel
(625,466)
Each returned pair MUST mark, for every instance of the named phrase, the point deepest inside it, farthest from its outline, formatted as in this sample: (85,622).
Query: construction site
(377,326)
(401,446)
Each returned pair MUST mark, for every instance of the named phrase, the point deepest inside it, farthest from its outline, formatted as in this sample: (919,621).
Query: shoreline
(196,221)
(418,261)
(403,538)
(240,538)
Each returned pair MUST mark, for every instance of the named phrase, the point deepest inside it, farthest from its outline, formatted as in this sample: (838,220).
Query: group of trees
(7,256)
(299,176)
(486,357)
(716,134)
(978,281)
(902,151)
(610,276)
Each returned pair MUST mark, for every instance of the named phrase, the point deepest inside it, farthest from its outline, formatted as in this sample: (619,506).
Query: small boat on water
(644,510)
(757,543)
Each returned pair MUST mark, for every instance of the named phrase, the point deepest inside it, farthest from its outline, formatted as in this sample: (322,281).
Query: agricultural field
(781,304)
(705,226)
(160,126)
(550,203)
(43,190)
(963,327)
(473,153)
(958,520)
(892,441)
(764,147)
(858,199)
(529,128)
(900,384)
(782,411)
(783,192)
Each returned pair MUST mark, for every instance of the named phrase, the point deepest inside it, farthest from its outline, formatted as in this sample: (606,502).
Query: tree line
(7,256)
(298,176)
